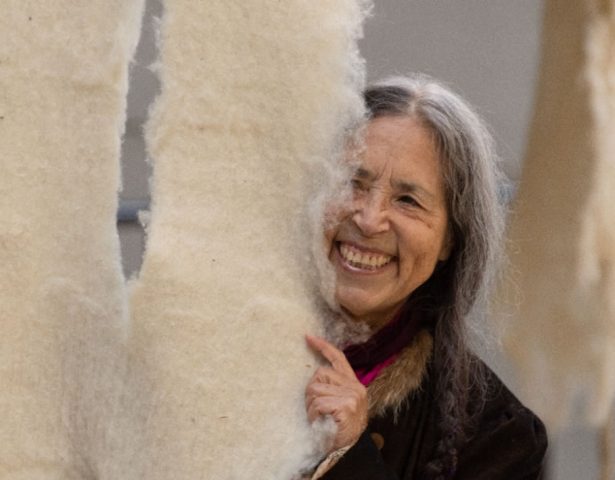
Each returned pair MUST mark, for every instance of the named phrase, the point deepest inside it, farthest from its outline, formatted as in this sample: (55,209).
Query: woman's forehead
(401,147)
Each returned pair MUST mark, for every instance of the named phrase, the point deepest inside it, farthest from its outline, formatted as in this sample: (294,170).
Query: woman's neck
(375,321)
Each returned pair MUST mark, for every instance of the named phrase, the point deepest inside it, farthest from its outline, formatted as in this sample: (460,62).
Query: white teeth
(368,261)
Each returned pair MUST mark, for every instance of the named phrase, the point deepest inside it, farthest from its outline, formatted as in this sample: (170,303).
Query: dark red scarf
(369,358)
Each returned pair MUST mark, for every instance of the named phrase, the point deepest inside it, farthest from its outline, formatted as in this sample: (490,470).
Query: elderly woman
(414,253)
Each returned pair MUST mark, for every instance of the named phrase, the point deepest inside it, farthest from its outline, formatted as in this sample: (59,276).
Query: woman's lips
(362,259)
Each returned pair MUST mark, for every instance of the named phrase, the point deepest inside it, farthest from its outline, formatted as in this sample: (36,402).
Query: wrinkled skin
(383,245)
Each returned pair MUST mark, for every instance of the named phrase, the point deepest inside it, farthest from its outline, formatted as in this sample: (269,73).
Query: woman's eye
(408,200)
(357,184)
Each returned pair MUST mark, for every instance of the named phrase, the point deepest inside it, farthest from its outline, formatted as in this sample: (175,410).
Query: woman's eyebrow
(364,174)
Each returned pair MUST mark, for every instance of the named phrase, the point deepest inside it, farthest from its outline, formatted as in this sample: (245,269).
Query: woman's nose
(371,214)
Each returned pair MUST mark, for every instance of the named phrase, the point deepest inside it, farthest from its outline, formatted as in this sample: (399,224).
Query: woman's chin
(352,305)
(360,306)
(359,312)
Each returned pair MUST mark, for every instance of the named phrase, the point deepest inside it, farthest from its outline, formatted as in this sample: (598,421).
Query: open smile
(359,259)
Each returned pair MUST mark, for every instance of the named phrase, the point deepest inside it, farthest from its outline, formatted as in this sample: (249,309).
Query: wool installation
(256,97)
(563,232)
(63,83)
(199,371)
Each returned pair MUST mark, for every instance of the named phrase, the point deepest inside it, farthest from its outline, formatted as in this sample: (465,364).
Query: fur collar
(391,388)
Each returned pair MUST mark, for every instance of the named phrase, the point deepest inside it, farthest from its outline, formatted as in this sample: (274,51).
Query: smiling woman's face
(387,242)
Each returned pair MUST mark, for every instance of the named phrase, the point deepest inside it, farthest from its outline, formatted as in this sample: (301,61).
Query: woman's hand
(334,390)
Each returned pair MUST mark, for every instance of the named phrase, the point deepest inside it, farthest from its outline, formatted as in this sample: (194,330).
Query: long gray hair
(456,294)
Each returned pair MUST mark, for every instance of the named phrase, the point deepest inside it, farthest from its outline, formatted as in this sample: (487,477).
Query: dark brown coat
(509,442)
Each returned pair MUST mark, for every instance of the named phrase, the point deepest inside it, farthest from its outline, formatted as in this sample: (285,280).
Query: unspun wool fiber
(202,375)
(63,83)
(562,247)
(257,98)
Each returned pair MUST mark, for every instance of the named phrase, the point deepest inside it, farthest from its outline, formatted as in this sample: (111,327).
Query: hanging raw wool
(256,98)
(562,248)
(63,82)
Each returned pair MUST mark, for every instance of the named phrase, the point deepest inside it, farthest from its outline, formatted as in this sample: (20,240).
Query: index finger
(336,357)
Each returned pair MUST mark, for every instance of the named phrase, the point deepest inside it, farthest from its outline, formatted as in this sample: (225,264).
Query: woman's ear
(447,246)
